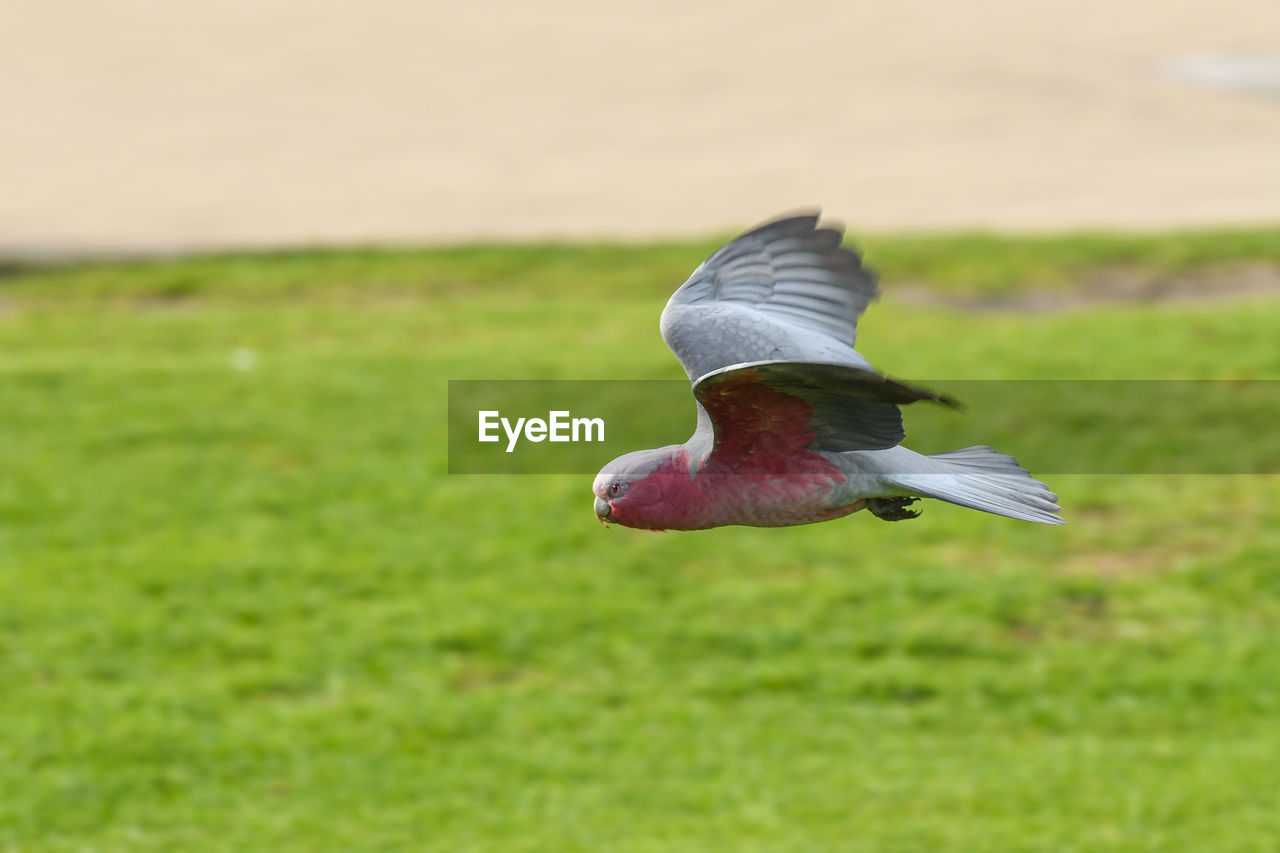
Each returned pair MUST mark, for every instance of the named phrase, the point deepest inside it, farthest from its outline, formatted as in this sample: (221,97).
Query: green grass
(247,610)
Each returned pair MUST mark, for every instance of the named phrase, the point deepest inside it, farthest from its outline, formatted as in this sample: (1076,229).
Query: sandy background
(153,124)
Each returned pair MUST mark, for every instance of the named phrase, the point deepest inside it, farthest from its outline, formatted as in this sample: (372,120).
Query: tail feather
(983,479)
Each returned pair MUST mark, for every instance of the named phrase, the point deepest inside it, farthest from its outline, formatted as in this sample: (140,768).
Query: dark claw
(892,509)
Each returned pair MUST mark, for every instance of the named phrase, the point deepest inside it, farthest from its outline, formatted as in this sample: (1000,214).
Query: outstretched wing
(785,291)
(776,408)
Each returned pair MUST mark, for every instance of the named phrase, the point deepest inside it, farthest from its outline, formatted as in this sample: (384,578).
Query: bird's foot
(892,509)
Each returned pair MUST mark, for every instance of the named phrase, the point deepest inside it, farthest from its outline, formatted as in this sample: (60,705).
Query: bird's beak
(602,510)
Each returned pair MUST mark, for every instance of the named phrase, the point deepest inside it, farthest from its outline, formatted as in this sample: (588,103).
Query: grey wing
(785,291)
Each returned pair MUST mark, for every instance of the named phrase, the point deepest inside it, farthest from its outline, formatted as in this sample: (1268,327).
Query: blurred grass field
(244,608)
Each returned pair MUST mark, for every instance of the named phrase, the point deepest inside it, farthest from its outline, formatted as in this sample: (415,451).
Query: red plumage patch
(756,424)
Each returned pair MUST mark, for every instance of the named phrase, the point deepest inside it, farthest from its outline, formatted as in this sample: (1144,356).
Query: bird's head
(639,489)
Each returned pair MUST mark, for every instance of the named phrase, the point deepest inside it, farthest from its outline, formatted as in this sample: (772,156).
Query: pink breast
(771,491)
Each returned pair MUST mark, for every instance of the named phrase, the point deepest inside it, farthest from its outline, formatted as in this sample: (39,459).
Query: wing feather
(783,406)
(786,289)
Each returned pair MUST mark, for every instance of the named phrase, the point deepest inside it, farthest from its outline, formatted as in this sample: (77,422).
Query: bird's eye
(615,489)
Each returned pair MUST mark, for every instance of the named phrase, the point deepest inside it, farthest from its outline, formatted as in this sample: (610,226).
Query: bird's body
(794,426)
(682,494)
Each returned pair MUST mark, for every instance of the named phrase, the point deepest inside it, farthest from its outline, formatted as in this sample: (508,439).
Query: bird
(794,425)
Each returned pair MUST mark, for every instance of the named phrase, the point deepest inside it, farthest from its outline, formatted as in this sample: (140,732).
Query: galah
(794,425)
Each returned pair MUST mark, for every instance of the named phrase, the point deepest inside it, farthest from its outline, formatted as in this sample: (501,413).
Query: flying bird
(794,425)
